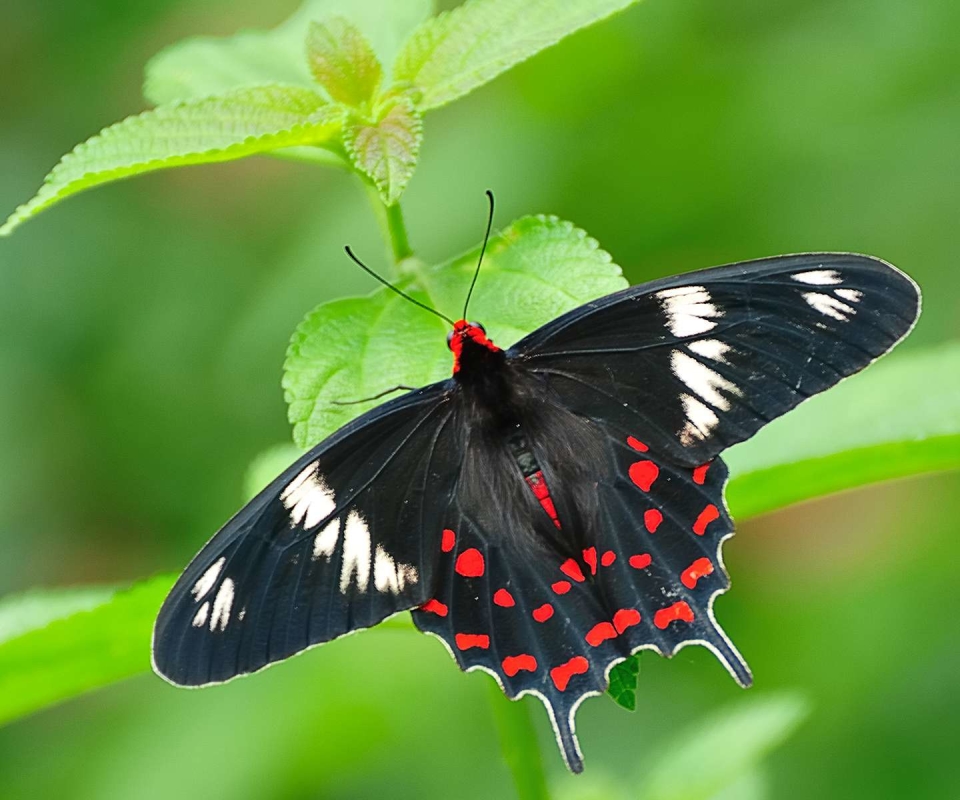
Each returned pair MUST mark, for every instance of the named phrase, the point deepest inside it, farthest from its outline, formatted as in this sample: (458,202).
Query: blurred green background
(143,327)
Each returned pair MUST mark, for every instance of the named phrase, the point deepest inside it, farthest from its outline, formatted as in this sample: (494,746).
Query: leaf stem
(397,232)
(518,743)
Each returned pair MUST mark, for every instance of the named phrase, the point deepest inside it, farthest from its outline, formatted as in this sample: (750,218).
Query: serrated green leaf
(238,124)
(208,65)
(342,61)
(623,683)
(455,52)
(899,417)
(716,752)
(534,270)
(386,151)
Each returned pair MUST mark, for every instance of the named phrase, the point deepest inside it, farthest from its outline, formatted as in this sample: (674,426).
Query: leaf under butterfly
(456,52)
(385,150)
(342,61)
(623,683)
(240,123)
(347,350)
(208,65)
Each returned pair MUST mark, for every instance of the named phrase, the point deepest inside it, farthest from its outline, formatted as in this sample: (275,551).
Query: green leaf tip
(342,61)
(623,682)
(386,150)
(456,52)
(231,126)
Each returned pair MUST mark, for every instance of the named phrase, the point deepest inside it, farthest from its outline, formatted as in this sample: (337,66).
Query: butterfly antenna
(390,286)
(483,249)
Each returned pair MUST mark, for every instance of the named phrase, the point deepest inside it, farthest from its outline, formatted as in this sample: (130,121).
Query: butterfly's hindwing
(338,542)
(704,360)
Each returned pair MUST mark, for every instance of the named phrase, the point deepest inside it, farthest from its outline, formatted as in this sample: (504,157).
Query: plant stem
(397,230)
(518,743)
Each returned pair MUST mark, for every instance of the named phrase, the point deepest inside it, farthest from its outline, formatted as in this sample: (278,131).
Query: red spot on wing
(543,613)
(652,518)
(513,664)
(697,570)
(571,569)
(503,598)
(467,640)
(599,633)
(708,515)
(626,618)
(640,561)
(644,473)
(448,540)
(608,558)
(470,563)
(562,674)
(435,607)
(678,611)
(700,474)
(590,559)
(636,444)
(560,587)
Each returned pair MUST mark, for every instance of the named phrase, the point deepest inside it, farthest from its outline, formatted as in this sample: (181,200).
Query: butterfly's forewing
(703,360)
(342,539)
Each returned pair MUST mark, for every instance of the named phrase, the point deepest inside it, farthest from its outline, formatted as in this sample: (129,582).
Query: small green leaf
(346,350)
(342,61)
(716,752)
(899,417)
(238,124)
(457,51)
(100,637)
(208,65)
(623,682)
(386,151)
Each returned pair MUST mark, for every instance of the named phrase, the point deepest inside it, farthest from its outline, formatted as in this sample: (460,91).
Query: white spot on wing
(388,576)
(689,310)
(713,349)
(700,420)
(702,380)
(308,499)
(222,605)
(818,277)
(829,306)
(356,553)
(208,579)
(852,295)
(325,542)
(200,619)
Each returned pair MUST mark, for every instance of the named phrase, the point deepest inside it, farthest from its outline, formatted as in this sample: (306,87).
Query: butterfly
(551,508)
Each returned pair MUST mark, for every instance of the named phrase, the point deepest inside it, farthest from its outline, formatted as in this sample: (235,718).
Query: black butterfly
(551,508)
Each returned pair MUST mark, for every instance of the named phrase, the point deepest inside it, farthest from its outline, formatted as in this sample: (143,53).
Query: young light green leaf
(623,682)
(351,349)
(457,51)
(899,417)
(719,750)
(238,124)
(386,151)
(342,61)
(204,66)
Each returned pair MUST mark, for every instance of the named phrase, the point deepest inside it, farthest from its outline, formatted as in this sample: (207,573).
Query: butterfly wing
(703,360)
(553,625)
(341,540)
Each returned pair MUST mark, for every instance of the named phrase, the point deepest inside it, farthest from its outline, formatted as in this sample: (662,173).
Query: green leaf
(899,417)
(623,682)
(37,608)
(457,51)
(204,66)
(349,349)
(342,61)
(70,648)
(722,749)
(238,124)
(386,151)
(267,466)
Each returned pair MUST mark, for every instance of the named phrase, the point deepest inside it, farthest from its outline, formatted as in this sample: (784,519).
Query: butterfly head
(468,337)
